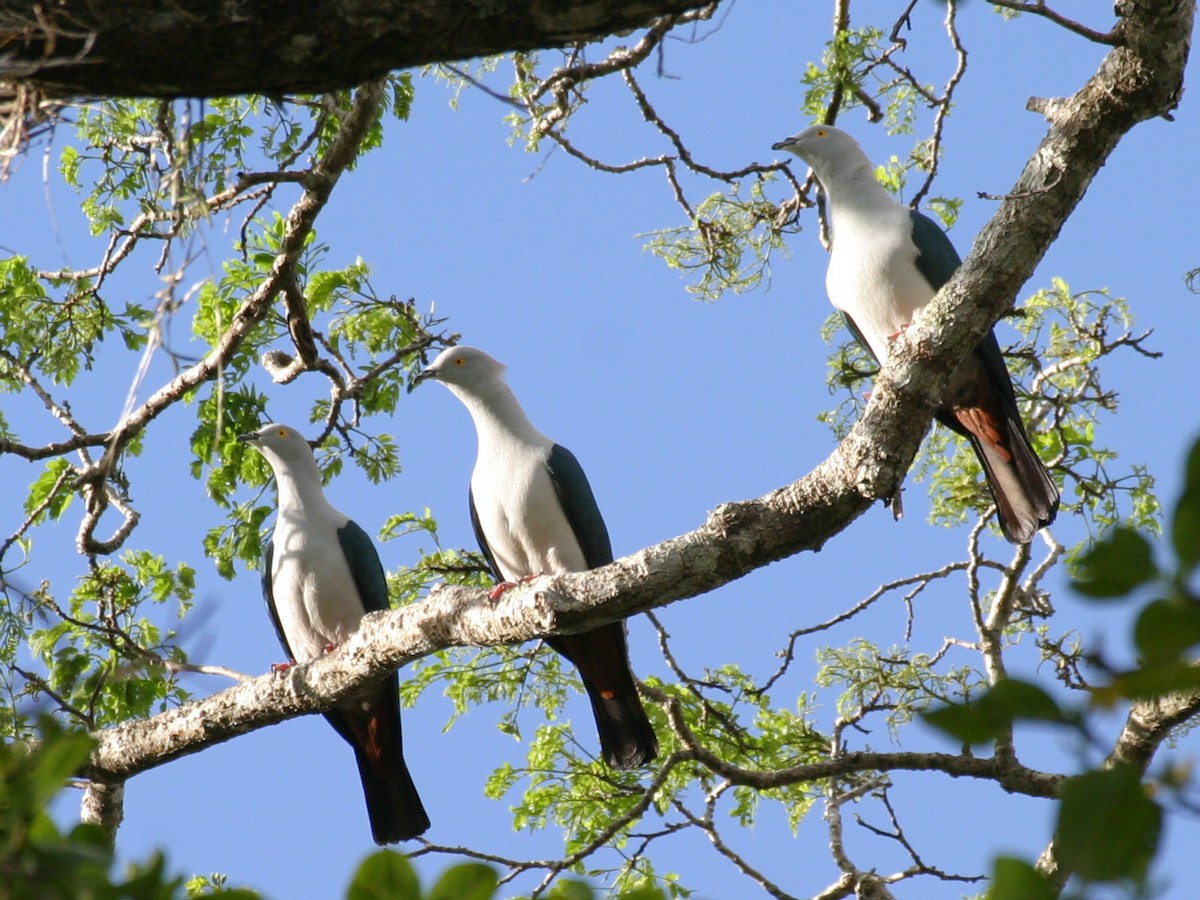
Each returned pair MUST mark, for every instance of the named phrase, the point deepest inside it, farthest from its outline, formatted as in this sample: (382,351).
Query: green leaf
(402,95)
(1022,700)
(469,881)
(962,721)
(1185,526)
(1165,629)
(992,715)
(643,892)
(58,760)
(1150,682)
(1116,564)
(571,889)
(40,492)
(385,875)
(1108,828)
(1015,879)
(1185,530)
(39,861)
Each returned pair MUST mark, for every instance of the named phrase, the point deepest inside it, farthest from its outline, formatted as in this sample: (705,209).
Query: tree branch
(460,616)
(206,48)
(1148,724)
(1039,8)
(104,805)
(1140,80)
(318,184)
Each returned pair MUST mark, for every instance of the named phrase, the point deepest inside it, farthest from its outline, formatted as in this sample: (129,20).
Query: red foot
(496,592)
(903,328)
(328,648)
(282,667)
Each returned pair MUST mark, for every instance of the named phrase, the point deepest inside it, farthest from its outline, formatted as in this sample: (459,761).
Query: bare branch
(318,184)
(1113,37)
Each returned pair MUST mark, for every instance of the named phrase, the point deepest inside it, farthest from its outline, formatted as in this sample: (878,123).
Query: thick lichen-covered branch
(208,48)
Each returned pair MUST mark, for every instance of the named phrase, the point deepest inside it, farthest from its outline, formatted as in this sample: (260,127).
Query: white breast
(520,514)
(315,596)
(872,275)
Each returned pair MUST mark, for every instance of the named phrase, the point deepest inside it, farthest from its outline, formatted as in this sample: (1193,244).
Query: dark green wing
(365,567)
(936,257)
(269,596)
(579,505)
(857,334)
(481,538)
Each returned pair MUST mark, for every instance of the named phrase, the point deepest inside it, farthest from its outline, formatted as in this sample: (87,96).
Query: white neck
(497,414)
(853,191)
(300,490)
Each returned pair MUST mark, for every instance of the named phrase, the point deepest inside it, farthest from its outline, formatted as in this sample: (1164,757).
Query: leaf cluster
(40,862)
(1109,821)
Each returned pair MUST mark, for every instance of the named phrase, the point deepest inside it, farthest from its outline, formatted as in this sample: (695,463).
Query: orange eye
(282,432)
(458,361)
(822,133)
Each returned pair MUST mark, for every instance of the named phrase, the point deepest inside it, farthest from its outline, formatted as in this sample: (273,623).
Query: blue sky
(672,406)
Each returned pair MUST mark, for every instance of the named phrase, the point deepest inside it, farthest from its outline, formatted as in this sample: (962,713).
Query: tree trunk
(203,48)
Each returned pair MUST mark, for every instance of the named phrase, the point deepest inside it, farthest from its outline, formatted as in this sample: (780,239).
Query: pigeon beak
(782,145)
(250,438)
(423,375)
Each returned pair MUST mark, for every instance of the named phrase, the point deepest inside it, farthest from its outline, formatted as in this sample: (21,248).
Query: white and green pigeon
(534,513)
(886,264)
(321,575)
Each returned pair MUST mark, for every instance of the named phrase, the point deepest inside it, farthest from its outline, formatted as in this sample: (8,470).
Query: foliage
(1109,820)
(387,875)
(156,174)
(39,861)
(715,243)
(1062,338)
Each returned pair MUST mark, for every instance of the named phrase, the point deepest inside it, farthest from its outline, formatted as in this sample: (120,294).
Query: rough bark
(465,617)
(204,48)
(104,805)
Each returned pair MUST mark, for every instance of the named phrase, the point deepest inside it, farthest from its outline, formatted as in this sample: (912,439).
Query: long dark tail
(627,739)
(393,805)
(373,728)
(981,406)
(1026,497)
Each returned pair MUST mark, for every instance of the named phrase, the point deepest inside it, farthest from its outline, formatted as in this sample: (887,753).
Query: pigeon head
(830,151)
(463,367)
(281,445)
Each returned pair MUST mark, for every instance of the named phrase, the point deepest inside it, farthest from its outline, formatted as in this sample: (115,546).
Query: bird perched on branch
(320,577)
(534,513)
(887,263)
